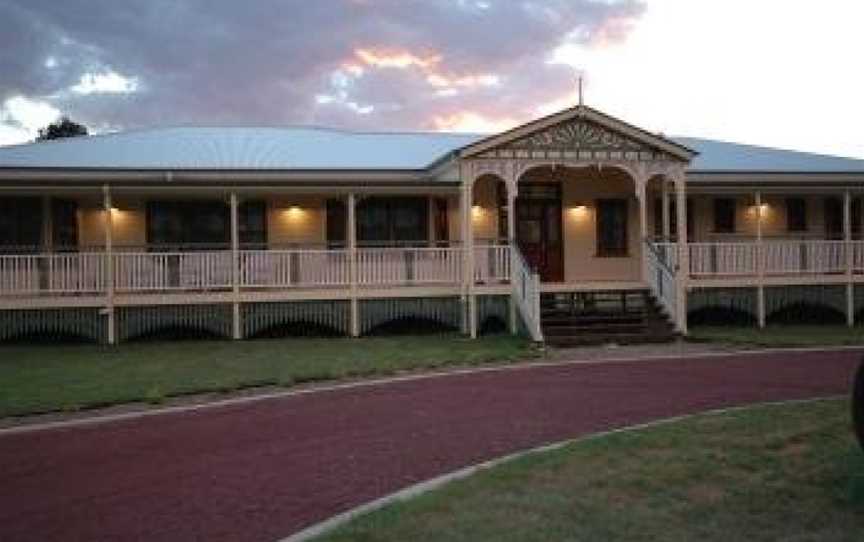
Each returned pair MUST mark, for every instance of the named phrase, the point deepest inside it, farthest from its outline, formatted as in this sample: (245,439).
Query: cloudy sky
(776,72)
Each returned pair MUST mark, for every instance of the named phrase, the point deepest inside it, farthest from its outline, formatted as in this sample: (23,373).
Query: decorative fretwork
(579,139)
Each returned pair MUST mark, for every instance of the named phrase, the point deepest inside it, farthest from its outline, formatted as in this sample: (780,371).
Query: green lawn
(780,335)
(35,379)
(768,473)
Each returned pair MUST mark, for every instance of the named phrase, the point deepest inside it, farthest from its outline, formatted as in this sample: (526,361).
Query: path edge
(438,482)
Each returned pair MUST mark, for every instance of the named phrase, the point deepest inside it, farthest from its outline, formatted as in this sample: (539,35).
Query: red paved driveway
(261,471)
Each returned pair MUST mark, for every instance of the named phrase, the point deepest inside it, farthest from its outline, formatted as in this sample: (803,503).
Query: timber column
(760,263)
(470,301)
(512,194)
(850,260)
(236,328)
(683,271)
(109,264)
(352,265)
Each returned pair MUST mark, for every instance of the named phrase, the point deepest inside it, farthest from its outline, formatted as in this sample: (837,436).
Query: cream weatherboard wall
(300,220)
(579,207)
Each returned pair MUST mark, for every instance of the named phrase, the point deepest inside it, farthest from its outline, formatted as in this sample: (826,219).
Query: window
(20,224)
(724,215)
(833,218)
(64,224)
(673,218)
(612,231)
(383,221)
(856,218)
(252,224)
(442,227)
(337,220)
(201,224)
(796,214)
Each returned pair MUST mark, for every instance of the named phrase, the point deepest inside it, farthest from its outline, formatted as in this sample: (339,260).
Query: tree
(61,128)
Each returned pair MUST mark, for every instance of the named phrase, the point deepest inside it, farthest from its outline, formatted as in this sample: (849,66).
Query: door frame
(555,201)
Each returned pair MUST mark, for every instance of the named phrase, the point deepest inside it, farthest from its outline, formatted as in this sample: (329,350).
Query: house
(564,224)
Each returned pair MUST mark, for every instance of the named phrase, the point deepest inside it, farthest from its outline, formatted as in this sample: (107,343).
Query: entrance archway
(579,223)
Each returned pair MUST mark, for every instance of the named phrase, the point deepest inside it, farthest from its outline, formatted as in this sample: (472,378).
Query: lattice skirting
(493,313)
(53,324)
(816,304)
(138,322)
(806,304)
(296,318)
(446,312)
(858,299)
(713,305)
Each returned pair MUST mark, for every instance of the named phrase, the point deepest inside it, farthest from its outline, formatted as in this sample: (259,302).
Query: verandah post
(760,263)
(847,245)
(236,332)
(667,222)
(512,192)
(352,264)
(469,326)
(109,264)
(683,253)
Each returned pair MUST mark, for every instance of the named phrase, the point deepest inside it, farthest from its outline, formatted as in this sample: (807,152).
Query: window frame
(621,246)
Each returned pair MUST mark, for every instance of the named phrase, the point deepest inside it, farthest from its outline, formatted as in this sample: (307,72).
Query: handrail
(662,279)
(525,292)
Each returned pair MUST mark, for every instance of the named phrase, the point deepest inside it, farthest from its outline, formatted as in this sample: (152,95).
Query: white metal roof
(304,148)
(730,157)
(239,148)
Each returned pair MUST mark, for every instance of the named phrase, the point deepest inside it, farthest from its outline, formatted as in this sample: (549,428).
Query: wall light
(476,212)
(294,212)
(579,210)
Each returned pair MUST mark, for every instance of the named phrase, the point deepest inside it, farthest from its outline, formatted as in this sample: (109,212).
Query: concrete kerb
(322,528)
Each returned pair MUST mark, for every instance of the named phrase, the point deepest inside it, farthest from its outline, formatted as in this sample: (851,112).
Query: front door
(538,229)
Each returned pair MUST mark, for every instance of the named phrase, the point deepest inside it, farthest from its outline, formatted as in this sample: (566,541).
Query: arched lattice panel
(493,313)
(297,318)
(190,320)
(805,304)
(721,306)
(858,299)
(381,315)
(53,324)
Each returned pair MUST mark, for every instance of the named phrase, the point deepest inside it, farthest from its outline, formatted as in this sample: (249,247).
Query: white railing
(294,268)
(858,256)
(143,271)
(78,273)
(722,259)
(778,258)
(491,264)
(661,278)
(400,266)
(803,257)
(526,293)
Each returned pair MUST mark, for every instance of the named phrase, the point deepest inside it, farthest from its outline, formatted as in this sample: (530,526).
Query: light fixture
(476,211)
(580,209)
(293,211)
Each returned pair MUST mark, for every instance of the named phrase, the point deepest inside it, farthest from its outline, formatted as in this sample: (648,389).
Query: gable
(579,133)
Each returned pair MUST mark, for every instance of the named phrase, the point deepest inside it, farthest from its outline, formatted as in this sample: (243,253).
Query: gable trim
(579,112)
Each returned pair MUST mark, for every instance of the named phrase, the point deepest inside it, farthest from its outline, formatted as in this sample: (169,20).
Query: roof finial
(581,97)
